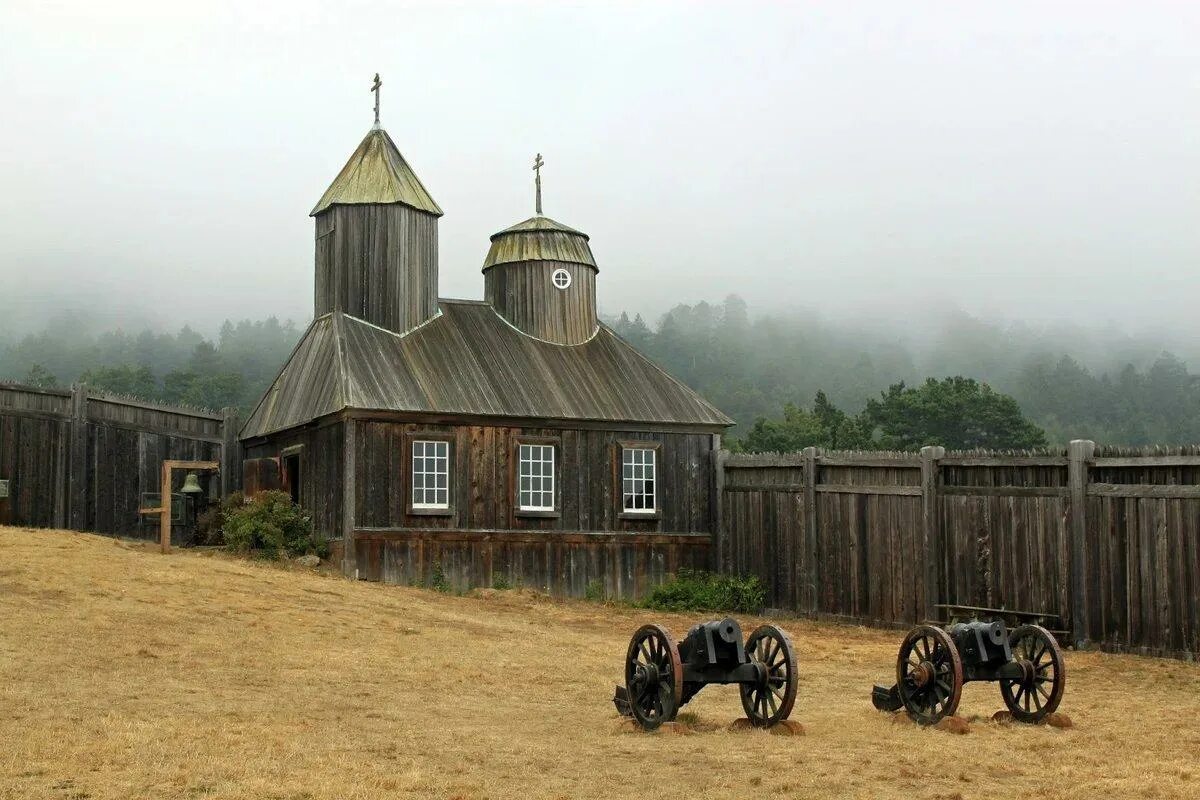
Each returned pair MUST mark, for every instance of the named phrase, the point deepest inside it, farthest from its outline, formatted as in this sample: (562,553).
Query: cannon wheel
(768,703)
(1040,691)
(929,676)
(653,676)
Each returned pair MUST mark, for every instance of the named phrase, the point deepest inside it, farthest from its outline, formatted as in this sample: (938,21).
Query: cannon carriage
(661,676)
(977,644)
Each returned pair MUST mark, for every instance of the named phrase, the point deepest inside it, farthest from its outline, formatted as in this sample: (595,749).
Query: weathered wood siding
(378,263)
(320,450)
(883,538)
(35,449)
(484,539)
(524,294)
(483,479)
(829,544)
(83,461)
(620,565)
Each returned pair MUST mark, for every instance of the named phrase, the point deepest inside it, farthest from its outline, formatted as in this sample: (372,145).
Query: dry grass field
(125,673)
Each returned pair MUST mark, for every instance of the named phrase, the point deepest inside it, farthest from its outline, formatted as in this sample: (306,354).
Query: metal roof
(539,239)
(469,361)
(377,173)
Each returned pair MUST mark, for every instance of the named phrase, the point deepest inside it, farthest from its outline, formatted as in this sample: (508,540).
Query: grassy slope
(124,673)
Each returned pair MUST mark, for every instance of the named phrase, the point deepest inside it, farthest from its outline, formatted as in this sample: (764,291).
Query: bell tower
(376,238)
(540,275)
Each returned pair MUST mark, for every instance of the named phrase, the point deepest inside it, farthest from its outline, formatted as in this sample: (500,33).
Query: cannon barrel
(727,630)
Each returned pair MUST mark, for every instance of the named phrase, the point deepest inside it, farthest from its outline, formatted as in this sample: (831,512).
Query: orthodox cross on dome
(375,88)
(537,171)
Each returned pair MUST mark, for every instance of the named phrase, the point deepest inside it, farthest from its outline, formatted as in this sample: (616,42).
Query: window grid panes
(638,479)
(536,492)
(430,474)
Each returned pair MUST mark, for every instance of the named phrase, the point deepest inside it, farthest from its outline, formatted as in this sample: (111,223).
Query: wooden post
(163,509)
(931,528)
(1079,453)
(812,574)
(231,452)
(349,555)
(720,536)
(77,505)
(164,503)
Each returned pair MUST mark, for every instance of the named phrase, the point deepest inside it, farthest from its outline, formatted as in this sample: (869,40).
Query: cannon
(935,661)
(661,677)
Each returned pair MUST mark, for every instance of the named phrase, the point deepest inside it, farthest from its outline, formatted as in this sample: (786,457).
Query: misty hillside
(1110,387)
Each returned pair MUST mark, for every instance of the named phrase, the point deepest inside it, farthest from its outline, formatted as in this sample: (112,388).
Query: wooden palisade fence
(1106,538)
(82,460)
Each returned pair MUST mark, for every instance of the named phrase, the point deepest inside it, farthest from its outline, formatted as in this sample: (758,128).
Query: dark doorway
(291,475)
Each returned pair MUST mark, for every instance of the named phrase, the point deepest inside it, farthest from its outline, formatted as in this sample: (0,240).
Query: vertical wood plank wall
(525,295)
(377,262)
(483,539)
(1117,557)
(83,461)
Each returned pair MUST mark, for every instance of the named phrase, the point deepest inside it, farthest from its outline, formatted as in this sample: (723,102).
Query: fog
(886,163)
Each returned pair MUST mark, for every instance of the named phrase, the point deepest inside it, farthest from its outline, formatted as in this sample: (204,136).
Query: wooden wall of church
(483,479)
(321,451)
(524,294)
(377,263)
(586,548)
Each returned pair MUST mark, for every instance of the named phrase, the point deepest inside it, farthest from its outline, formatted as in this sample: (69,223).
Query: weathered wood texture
(377,263)
(1003,538)
(320,451)
(469,362)
(564,564)
(84,460)
(483,538)
(483,479)
(525,295)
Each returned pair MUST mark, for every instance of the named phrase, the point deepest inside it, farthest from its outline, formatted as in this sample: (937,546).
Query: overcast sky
(1029,161)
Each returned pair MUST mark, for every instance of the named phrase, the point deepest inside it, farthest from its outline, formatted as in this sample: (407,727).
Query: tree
(40,377)
(123,379)
(958,413)
(825,426)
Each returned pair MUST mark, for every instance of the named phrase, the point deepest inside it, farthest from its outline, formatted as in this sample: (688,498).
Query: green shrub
(501,582)
(696,590)
(210,525)
(273,526)
(437,579)
(594,591)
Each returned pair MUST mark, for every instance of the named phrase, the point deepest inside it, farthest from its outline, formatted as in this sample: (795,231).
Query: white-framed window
(430,474)
(561,278)
(638,480)
(536,475)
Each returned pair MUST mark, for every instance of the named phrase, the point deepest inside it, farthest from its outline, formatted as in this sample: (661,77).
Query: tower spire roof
(377,173)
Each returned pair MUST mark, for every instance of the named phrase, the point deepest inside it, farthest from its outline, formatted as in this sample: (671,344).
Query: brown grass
(125,673)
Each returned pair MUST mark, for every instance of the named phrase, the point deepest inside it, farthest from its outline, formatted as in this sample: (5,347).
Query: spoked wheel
(653,676)
(929,674)
(1039,690)
(771,699)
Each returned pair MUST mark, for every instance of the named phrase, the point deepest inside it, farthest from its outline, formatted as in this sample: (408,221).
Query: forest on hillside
(1108,387)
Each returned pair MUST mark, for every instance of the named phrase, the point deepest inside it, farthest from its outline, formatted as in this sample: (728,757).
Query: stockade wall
(82,460)
(1105,538)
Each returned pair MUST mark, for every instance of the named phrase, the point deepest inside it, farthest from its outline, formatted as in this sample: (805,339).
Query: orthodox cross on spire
(375,88)
(537,171)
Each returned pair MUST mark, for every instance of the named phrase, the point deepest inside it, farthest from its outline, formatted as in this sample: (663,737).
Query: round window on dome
(561,278)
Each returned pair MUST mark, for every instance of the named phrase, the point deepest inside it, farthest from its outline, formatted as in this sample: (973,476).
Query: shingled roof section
(539,239)
(377,173)
(469,361)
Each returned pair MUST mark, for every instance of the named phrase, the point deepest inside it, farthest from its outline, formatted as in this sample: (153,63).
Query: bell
(191,484)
